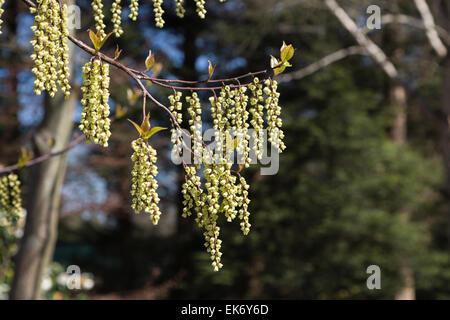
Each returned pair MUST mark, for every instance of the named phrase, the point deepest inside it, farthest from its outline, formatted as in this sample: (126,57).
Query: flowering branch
(236,100)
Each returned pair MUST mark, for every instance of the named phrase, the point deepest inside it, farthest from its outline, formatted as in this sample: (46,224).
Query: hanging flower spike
(97,6)
(179,8)
(201,11)
(134,10)
(176,107)
(144,184)
(10,200)
(195,112)
(116,11)
(95,123)
(1,12)
(210,214)
(192,194)
(257,112)
(158,11)
(50,54)
(274,122)
(243,202)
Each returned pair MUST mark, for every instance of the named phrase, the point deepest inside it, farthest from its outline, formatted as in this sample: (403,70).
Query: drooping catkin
(134,9)
(10,200)
(1,12)
(50,55)
(116,11)
(97,6)
(95,123)
(144,184)
(274,122)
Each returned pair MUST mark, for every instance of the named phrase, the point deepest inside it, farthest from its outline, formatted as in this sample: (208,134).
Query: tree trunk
(397,97)
(444,136)
(46,179)
(407,291)
(441,11)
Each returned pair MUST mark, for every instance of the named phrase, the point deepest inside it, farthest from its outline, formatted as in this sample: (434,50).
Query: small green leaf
(120,111)
(211,69)
(95,40)
(287,52)
(279,70)
(274,62)
(117,52)
(286,64)
(24,157)
(153,131)
(149,61)
(138,128)
(145,125)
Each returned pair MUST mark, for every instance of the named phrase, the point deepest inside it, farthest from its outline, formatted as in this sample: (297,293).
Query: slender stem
(143,108)
(45,157)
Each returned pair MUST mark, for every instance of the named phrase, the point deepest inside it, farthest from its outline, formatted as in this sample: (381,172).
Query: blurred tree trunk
(394,39)
(441,11)
(46,179)
(444,135)
(397,97)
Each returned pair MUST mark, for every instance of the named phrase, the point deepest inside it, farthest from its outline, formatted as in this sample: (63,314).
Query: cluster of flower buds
(50,56)
(257,112)
(232,109)
(97,6)
(219,122)
(116,11)
(230,112)
(243,202)
(144,184)
(195,112)
(229,191)
(10,200)
(192,194)
(237,108)
(134,10)
(1,12)
(201,11)
(158,11)
(225,194)
(210,213)
(179,8)
(95,123)
(274,122)
(176,107)
(242,125)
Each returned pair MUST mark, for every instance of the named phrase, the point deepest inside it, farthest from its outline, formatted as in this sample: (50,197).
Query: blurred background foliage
(347,195)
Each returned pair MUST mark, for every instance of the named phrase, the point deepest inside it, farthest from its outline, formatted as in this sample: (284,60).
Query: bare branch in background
(372,49)
(430,28)
(322,63)
(413,22)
